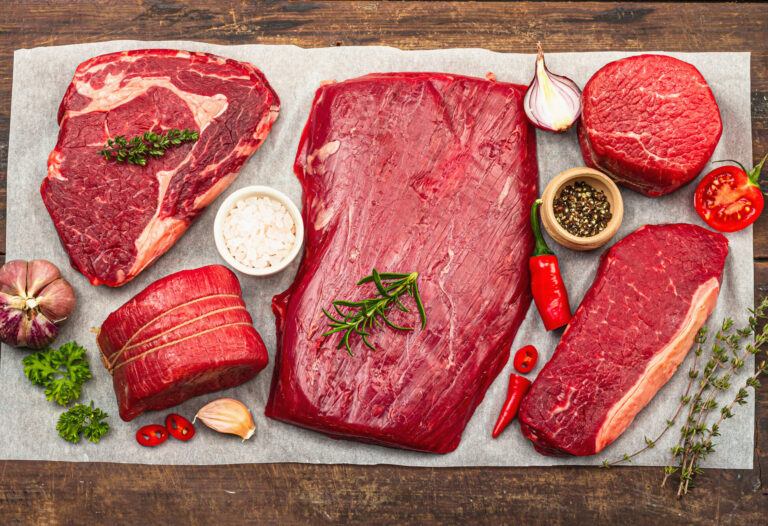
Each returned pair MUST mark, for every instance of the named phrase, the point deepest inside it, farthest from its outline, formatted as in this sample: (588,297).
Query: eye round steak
(650,122)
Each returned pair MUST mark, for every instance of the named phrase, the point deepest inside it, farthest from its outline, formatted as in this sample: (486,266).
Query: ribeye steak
(653,291)
(184,335)
(405,172)
(116,219)
(650,122)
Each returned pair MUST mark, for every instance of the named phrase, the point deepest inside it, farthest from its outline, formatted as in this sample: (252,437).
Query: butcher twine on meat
(653,291)
(404,172)
(115,219)
(183,336)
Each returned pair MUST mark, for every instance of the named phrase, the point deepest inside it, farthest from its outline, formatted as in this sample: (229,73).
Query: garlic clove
(13,278)
(36,331)
(11,301)
(39,274)
(227,415)
(10,322)
(57,300)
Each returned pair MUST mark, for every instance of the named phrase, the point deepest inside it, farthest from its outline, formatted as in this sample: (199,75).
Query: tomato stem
(754,175)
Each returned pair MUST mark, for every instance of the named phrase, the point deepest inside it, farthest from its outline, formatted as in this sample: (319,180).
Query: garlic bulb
(34,301)
(227,415)
(552,102)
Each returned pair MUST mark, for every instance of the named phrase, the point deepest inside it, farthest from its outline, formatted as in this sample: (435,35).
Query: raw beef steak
(425,172)
(650,122)
(185,335)
(116,219)
(653,291)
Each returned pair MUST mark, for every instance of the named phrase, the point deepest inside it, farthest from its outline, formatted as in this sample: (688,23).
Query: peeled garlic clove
(227,415)
(39,274)
(57,300)
(13,278)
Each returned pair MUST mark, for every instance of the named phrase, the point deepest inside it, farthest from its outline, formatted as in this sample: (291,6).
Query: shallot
(34,301)
(552,102)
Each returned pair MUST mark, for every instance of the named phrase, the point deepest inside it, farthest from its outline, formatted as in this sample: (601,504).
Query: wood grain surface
(79,493)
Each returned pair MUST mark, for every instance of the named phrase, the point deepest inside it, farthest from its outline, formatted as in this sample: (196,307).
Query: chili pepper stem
(541,248)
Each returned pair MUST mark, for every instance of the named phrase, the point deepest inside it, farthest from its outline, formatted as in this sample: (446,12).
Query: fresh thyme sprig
(359,317)
(726,360)
(149,144)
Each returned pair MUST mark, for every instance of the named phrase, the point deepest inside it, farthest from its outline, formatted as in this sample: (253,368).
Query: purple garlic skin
(34,301)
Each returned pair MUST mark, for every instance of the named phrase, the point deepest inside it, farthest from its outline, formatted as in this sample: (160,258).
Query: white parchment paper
(27,420)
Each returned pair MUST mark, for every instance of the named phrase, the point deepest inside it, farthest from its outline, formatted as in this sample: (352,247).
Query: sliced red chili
(525,359)
(151,435)
(179,427)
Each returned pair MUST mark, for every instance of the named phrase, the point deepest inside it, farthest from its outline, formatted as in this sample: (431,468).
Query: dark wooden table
(76,493)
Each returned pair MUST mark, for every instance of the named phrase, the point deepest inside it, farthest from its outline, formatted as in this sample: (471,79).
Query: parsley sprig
(150,144)
(360,316)
(61,371)
(82,420)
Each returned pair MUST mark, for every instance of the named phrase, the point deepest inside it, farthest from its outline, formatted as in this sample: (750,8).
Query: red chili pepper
(179,427)
(518,386)
(546,282)
(151,435)
(525,359)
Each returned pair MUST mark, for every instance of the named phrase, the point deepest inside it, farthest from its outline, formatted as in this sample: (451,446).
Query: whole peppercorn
(582,210)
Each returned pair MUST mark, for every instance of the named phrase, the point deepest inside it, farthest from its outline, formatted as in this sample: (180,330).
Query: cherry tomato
(729,198)
(179,427)
(525,359)
(151,435)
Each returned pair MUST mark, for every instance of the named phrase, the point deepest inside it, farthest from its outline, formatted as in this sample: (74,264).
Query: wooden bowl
(597,180)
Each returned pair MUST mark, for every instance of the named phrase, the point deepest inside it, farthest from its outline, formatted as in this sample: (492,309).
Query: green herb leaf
(82,420)
(61,371)
(361,315)
(149,144)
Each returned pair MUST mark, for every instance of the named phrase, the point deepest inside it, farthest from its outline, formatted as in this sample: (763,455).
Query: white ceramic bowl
(257,191)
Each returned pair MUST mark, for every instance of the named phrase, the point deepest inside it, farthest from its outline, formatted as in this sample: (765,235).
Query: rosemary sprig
(724,363)
(149,144)
(359,317)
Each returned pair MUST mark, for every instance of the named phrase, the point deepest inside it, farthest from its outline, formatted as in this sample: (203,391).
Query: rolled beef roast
(185,335)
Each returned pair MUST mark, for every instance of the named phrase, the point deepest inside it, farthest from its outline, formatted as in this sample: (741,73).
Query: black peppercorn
(582,210)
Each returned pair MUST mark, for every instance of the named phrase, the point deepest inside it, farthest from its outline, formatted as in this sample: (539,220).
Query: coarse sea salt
(259,232)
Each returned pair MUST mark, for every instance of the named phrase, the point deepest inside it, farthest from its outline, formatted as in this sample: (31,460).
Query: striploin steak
(404,172)
(650,122)
(185,335)
(115,219)
(653,291)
